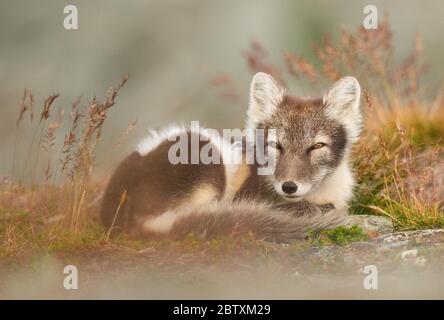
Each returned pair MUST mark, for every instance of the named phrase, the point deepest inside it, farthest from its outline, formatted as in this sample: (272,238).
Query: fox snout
(289,187)
(292,190)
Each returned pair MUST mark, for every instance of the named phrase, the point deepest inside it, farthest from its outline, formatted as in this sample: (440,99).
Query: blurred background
(173,50)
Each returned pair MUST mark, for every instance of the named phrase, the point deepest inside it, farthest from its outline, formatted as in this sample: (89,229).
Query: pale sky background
(171,49)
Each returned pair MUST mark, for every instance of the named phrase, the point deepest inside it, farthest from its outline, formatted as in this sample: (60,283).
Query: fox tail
(263,220)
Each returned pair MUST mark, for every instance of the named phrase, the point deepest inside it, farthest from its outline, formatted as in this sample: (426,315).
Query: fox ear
(342,103)
(265,96)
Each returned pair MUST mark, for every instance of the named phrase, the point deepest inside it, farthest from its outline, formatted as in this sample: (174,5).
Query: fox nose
(289,187)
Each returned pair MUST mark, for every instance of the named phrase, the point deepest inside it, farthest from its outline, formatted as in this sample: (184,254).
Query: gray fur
(264,220)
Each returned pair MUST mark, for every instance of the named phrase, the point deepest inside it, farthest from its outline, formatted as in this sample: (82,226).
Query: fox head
(313,136)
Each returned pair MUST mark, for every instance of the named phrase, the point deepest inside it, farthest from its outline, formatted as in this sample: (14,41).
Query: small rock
(418,236)
(420,261)
(394,244)
(364,245)
(371,224)
(412,257)
(409,254)
(295,274)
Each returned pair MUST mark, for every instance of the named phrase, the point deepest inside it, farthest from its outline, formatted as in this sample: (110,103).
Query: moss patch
(340,236)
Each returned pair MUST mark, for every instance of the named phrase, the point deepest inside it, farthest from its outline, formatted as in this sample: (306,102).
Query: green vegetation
(346,235)
(340,236)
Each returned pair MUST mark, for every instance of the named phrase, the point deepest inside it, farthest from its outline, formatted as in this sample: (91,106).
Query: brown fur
(153,186)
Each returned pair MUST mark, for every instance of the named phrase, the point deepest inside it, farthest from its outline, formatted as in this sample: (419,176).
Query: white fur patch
(227,151)
(336,189)
(342,103)
(265,96)
(156,137)
(162,223)
(203,195)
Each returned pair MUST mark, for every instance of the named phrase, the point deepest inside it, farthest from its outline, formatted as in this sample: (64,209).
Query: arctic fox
(308,190)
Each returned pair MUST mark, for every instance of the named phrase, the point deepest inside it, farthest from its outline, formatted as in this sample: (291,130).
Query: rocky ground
(408,265)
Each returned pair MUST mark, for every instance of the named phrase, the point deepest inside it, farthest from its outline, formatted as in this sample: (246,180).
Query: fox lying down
(308,189)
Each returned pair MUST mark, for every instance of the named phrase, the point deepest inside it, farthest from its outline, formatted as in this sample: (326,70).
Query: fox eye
(275,145)
(318,145)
